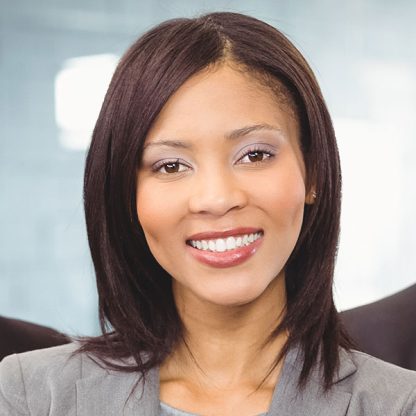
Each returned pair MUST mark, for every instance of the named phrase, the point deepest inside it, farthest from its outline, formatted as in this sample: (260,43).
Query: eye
(169,167)
(255,156)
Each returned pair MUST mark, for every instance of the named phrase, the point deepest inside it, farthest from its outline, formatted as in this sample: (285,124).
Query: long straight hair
(137,311)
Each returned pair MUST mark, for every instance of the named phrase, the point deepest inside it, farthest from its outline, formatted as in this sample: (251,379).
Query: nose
(217,193)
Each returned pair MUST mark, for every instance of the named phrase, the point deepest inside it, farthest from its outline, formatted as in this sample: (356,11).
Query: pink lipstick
(223,249)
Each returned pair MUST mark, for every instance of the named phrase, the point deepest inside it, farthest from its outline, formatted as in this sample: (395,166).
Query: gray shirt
(166,410)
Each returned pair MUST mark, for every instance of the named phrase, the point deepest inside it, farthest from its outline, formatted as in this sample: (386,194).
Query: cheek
(283,197)
(284,203)
(159,210)
(150,211)
(290,201)
(154,219)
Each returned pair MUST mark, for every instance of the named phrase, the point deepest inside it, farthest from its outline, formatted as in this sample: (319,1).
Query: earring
(313,194)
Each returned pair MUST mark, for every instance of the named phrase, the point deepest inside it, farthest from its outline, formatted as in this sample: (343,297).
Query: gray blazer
(51,382)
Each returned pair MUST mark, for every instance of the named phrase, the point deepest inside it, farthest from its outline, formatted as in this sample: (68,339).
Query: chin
(236,296)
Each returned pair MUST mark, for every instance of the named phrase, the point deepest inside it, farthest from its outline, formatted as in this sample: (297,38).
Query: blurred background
(56,59)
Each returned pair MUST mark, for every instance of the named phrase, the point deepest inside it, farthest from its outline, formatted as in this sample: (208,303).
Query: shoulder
(384,388)
(63,381)
(30,380)
(43,363)
(373,370)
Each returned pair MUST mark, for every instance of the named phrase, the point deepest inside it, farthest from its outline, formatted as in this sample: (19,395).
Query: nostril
(217,203)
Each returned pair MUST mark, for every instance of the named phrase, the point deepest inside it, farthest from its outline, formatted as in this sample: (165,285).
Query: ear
(310,196)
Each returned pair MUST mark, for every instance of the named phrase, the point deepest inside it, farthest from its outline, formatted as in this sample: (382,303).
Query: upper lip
(207,235)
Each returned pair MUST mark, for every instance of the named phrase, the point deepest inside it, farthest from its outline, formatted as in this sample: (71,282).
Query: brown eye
(255,156)
(171,167)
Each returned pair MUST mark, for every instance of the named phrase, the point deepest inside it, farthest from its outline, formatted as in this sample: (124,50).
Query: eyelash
(257,149)
(163,163)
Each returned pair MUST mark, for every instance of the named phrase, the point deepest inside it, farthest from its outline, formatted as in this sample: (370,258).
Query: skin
(212,184)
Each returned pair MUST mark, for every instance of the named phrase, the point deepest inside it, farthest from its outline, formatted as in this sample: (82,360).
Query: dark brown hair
(137,312)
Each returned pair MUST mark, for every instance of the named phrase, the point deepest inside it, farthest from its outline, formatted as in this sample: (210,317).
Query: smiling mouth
(220,245)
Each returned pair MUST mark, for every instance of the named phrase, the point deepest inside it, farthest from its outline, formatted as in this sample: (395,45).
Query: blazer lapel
(288,400)
(109,394)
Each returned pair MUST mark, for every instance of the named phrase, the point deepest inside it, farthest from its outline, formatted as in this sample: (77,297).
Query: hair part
(138,315)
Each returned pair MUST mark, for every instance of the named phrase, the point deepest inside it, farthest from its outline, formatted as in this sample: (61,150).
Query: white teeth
(230,243)
(220,245)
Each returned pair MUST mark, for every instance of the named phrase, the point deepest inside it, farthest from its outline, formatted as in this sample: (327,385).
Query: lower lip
(228,258)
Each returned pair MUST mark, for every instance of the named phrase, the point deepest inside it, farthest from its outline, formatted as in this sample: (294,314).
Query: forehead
(221,99)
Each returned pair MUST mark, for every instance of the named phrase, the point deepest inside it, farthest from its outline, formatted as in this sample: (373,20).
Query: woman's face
(221,187)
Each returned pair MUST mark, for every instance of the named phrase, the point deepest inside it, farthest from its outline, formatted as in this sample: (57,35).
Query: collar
(289,400)
(116,393)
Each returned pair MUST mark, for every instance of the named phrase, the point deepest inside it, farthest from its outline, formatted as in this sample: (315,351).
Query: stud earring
(313,194)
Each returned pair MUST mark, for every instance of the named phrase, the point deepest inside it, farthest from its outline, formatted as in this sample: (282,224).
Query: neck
(224,346)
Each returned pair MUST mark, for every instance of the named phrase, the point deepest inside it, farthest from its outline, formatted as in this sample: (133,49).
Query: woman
(212,199)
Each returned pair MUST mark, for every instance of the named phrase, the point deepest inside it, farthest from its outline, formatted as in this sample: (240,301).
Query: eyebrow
(232,135)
